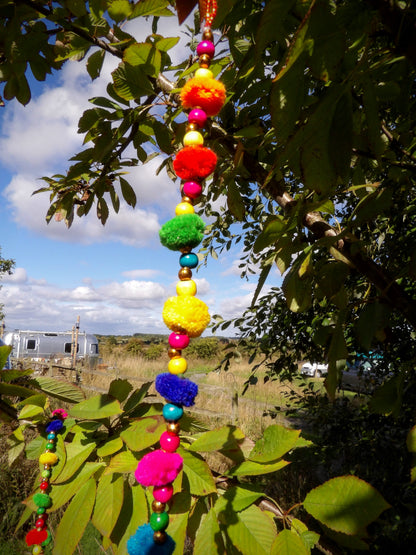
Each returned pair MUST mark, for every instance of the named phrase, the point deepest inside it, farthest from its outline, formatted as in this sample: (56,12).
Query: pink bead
(197,116)
(163,494)
(169,442)
(206,47)
(178,340)
(192,189)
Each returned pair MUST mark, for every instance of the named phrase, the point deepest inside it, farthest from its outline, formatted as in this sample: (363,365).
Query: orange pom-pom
(204,92)
(194,162)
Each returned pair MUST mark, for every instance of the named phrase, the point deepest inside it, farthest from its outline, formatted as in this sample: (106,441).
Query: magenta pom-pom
(158,468)
(169,442)
(163,494)
(198,116)
(206,47)
(192,189)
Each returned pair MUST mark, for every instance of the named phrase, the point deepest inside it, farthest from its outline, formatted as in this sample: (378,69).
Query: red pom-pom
(194,162)
(203,92)
(36,537)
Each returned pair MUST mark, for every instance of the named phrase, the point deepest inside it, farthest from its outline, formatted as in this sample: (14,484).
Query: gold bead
(159,537)
(204,61)
(46,466)
(158,507)
(207,34)
(173,427)
(185,273)
(192,127)
(187,199)
(174,352)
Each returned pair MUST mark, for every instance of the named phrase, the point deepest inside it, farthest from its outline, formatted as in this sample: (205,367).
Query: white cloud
(19,275)
(133,274)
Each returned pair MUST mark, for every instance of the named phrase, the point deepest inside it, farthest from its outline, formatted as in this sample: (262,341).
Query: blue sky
(116,277)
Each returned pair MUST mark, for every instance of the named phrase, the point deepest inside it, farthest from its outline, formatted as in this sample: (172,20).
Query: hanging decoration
(185,315)
(39,537)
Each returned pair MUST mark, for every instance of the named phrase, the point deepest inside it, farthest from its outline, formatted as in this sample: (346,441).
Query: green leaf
(96,408)
(235,201)
(120,389)
(373,318)
(60,390)
(276,442)
(38,400)
(236,499)
(108,503)
(133,513)
(119,10)
(387,399)
(227,437)
(208,538)
(131,82)
(196,470)
(151,7)
(345,504)
(144,55)
(110,447)
(288,543)
(30,411)
(411,440)
(62,493)
(77,7)
(298,291)
(128,192)
(253,531)
(166,43)
(122,462)
(95,63)
(36,447)
(75,519)
(250,468)
(135,399)
(15,390)
(5,351)
(76,455)
(341,136)
(143,433)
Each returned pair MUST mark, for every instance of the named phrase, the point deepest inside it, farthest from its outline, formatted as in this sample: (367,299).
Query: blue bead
(172,412)
(51,436)
(189,260)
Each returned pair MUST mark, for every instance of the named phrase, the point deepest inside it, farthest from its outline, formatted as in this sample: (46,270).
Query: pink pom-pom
(169,442)
(158,468)
(206,47)
(163,493)
(192,189)
(197,116)
(60,413)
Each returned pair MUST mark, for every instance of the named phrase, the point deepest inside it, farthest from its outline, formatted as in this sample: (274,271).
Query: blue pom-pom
(180,391)
(142,543)
(54,426)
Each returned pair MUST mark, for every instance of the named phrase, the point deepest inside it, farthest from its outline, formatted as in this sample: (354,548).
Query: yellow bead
(193,138)
(37,550)
(184,208)
(186,287)
(177,365)
(204,72)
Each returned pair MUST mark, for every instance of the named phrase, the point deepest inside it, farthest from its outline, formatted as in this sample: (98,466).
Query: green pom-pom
(47,541)
(42,500)
(186,230)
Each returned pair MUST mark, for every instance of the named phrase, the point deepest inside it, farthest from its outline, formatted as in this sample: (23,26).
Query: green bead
(159,521)
(41,510)
(50,446)
(46,473)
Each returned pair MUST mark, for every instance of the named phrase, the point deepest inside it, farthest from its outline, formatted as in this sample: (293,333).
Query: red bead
(40,523)
(44,486)
(163,493)
(178,340)
(169,442)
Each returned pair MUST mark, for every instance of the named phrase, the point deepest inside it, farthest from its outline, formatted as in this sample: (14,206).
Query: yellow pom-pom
(177,365)
(48,458)
(187,287)
(193,138)
(184,208)
(204,72)
(186,314)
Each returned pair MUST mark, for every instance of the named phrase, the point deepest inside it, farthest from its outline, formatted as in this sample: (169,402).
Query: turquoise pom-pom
(142,543)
